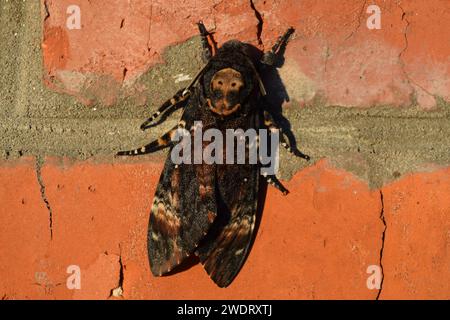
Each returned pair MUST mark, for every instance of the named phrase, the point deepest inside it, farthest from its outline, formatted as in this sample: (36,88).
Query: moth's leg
(162,142)
(270,57)
(169,104)
(273,181)
(208,43)
(271,124)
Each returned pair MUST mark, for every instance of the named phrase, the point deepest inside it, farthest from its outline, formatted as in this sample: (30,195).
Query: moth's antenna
(208,42)
(261,84)
(258,77)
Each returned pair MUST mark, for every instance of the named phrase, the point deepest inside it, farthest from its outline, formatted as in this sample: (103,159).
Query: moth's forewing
(183,210)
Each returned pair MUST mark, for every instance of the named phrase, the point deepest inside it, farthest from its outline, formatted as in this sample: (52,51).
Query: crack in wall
(39,163)
(359,21)
(402,63)
(118,291)
(47,12)
(259,26)
(383,237)
(150,27)
(327,57)
(404,34)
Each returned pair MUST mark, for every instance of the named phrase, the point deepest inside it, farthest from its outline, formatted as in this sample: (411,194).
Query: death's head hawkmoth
(209,208)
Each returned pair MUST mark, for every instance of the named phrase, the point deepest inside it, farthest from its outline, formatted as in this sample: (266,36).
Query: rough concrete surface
(371,108)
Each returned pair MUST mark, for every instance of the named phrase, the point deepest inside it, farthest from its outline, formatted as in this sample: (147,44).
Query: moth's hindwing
(182,212)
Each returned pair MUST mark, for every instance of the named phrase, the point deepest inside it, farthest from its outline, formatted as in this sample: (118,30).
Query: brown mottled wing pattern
(183,210)
(226,246)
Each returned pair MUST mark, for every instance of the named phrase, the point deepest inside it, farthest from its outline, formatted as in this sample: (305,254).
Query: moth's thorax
(225,87)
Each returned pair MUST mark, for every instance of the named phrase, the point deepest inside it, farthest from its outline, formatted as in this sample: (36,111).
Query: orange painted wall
(316,243)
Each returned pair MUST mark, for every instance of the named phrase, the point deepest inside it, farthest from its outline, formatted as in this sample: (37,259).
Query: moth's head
(226,87)
(230,80)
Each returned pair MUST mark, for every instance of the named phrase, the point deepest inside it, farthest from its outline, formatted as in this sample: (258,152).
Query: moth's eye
(221,83)
(233,84)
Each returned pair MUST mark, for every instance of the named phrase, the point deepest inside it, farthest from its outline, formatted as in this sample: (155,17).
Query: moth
(209,209)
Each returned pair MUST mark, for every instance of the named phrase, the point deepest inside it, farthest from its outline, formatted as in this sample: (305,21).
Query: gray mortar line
(400,140)
(21,105)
